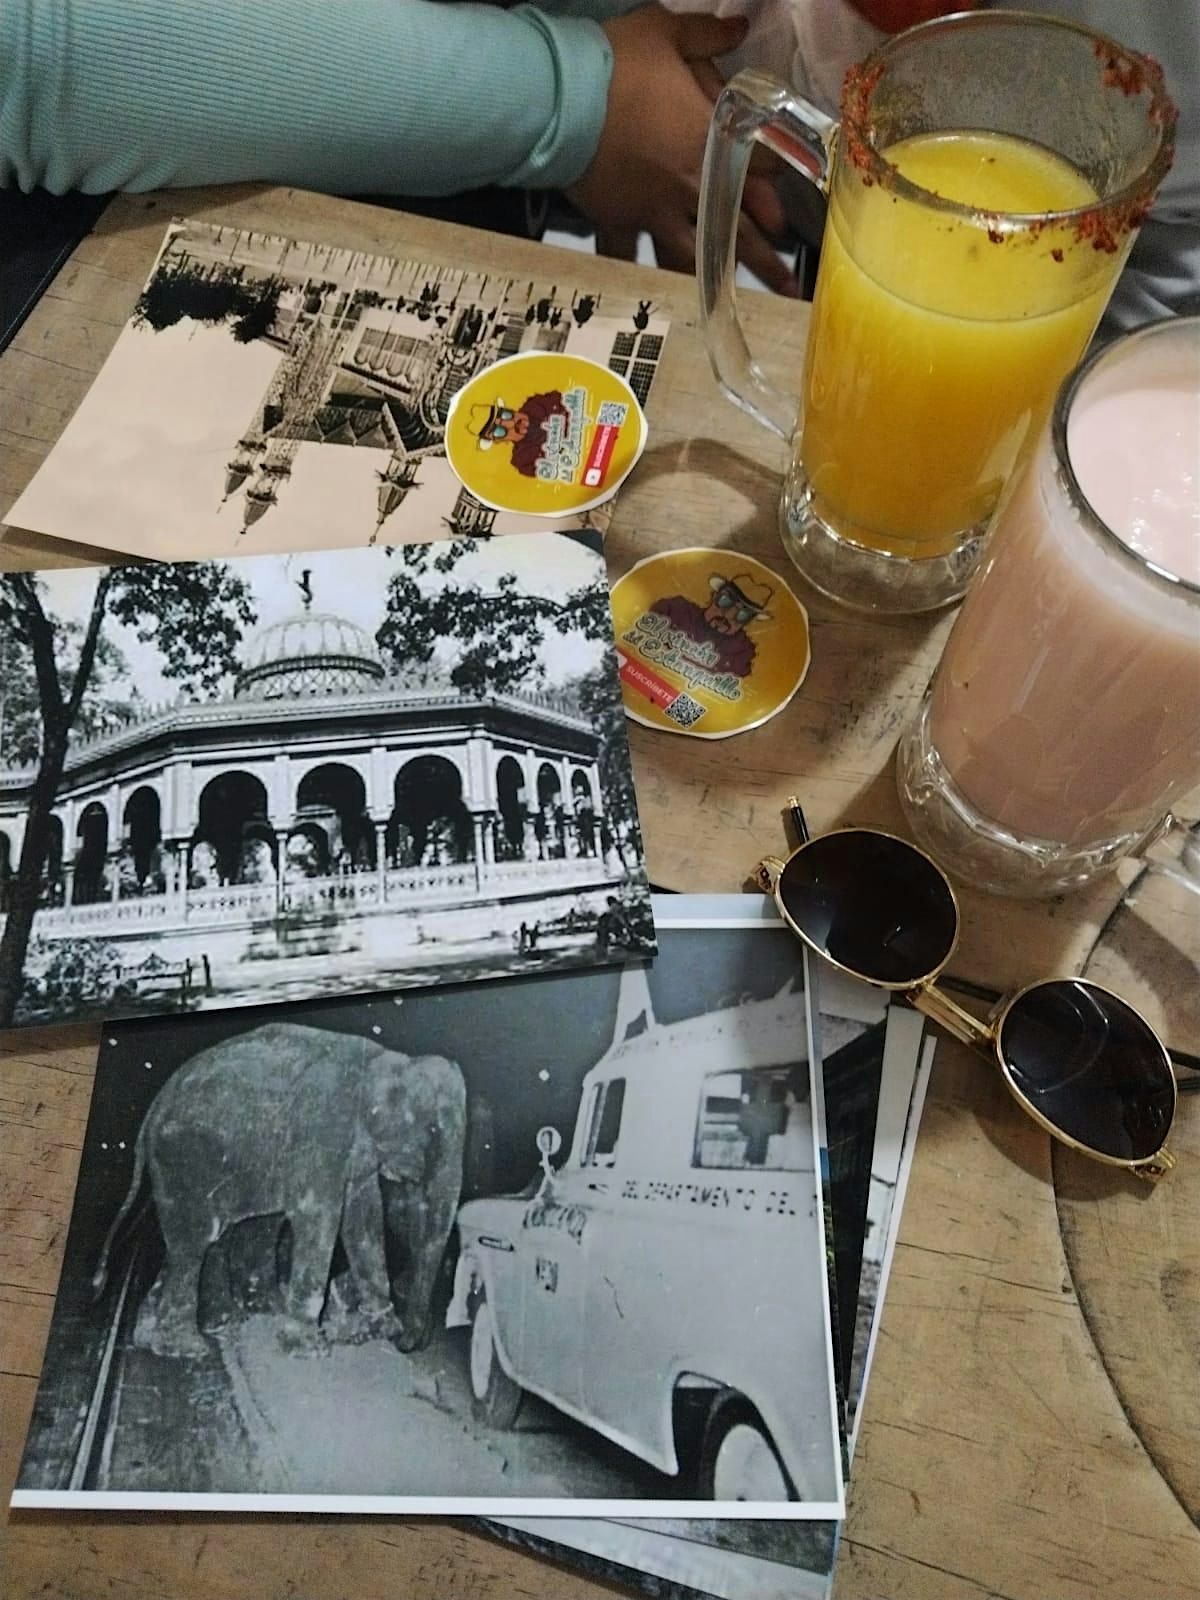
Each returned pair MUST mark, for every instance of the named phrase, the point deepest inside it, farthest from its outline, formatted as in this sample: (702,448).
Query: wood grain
(1002,1452)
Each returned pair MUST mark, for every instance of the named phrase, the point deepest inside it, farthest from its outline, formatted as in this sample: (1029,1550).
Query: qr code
(685,711)
(612,414)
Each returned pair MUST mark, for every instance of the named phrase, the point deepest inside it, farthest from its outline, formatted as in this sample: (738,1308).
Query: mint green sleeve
(348,96)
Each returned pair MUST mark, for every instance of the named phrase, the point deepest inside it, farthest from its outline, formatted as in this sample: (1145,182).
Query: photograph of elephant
(229,783)
(480,1250)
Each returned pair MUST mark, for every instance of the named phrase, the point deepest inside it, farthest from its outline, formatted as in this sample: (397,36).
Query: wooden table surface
(1033,1423)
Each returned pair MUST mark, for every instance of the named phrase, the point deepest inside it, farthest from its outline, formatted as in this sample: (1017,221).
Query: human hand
(645,174)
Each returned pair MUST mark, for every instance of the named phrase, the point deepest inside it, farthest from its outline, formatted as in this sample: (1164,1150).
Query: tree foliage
(599,697)
(213,295)
(496,634)
(111,700)
(68,976)
(193,613)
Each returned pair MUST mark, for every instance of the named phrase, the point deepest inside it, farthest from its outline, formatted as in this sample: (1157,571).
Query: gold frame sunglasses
(1078,1059)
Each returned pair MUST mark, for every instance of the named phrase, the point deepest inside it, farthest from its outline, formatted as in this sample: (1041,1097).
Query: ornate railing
(122,915)
(235,902)
(579,868)
(314,898)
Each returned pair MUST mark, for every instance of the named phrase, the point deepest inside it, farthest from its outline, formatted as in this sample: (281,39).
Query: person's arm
(348,96)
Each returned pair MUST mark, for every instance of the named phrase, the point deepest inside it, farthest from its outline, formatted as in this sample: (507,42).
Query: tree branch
(40,632)
(87,651)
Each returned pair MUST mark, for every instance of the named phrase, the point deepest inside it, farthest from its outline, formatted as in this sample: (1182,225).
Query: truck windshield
(759,1119)
(605,1127)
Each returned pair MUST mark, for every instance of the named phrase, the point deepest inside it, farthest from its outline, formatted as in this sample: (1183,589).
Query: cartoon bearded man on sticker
(524,428)
(736,602)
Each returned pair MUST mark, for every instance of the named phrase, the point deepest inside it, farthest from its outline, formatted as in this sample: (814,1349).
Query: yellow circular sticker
(544,434)
(709,642)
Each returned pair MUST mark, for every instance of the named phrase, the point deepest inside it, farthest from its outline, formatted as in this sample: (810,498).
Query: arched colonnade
(343,815)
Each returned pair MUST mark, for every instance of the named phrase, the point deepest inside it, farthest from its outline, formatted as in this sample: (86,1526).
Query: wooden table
(1033,1424)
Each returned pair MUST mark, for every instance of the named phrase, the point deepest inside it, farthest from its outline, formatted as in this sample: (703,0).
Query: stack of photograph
(433,1165)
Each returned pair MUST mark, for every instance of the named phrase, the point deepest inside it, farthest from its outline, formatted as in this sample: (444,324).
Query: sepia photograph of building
(272,395)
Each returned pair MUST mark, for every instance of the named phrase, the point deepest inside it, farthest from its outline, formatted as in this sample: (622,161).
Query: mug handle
(752,106)
(1172,847)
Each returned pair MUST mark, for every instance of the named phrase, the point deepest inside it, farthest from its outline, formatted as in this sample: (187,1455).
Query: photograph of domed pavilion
(313,775)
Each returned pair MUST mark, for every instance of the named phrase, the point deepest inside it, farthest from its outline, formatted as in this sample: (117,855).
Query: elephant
(329,1133)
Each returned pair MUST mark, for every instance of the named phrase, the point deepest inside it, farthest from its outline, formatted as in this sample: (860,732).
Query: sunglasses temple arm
(796,812)
(937,1005)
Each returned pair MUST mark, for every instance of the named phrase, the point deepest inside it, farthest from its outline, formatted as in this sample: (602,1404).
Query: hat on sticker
(744,592)
(487,423)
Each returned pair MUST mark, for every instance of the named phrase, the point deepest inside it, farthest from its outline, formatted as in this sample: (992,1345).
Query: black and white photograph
(484,1249)
(876,1061)
(693,1559)
(272,778)
(907,1062)
(273,395)
(875,1058)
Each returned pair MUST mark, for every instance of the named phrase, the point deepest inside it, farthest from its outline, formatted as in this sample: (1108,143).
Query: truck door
(555,1256)
(622,1380)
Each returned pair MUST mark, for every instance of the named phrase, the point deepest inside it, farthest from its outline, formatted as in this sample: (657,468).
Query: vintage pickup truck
(666,1284)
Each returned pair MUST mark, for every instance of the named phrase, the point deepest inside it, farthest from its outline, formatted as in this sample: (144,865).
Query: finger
(755,251)
(761,202)
(619,243)
(675,249)
(700,38)
(709,79)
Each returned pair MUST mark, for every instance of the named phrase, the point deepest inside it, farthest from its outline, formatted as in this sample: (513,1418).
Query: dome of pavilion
(311,653)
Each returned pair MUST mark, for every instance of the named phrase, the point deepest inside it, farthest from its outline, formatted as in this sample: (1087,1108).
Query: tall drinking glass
(1063,721)
(985,183)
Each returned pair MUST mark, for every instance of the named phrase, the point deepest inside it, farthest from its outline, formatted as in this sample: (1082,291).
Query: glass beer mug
(984,186)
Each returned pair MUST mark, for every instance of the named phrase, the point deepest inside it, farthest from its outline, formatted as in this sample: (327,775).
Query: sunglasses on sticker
(730,600)
(1078,1059)
(502,417)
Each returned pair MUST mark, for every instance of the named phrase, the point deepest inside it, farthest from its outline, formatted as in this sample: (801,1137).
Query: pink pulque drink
(1064,718)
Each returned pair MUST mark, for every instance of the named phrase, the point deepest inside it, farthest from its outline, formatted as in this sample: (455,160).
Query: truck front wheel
(495,1398)
(738,1458)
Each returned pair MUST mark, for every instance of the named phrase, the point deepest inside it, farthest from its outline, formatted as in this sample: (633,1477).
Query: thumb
(701,37)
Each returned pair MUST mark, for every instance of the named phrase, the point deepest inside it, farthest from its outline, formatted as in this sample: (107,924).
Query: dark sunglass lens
(1091,1066)
(873,904)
